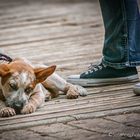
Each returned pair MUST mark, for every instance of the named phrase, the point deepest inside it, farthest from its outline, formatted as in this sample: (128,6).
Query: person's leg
(122,33)
(114,50)
(121,45)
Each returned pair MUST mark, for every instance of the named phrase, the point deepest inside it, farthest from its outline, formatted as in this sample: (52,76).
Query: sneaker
(136,89)
(98,75)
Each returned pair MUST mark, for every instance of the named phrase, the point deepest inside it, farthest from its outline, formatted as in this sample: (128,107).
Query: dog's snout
(19,105)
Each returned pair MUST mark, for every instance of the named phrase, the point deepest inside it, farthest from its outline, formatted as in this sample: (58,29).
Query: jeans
(122,33)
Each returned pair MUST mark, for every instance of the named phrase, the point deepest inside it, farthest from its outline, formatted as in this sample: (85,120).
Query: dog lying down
(24,86)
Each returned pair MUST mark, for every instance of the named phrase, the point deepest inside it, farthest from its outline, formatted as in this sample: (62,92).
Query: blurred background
(68,33)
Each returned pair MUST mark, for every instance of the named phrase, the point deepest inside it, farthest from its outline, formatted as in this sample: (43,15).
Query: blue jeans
(122,33)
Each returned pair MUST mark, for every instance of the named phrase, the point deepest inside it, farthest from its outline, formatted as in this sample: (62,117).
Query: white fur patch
(23,79)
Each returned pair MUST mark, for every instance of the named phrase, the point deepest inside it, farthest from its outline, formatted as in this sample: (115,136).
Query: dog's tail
(5,57)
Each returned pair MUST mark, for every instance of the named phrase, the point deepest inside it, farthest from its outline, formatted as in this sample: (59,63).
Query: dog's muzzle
(18,105)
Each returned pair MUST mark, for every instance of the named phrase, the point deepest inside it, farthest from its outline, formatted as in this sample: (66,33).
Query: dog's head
(18,80)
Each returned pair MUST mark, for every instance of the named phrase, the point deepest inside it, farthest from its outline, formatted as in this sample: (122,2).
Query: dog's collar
(5,58)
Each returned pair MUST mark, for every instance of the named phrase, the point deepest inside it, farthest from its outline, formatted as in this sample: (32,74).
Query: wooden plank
(81,107)
(50,114)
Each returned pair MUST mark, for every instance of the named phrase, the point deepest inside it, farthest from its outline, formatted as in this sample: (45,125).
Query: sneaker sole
(136,89)
(101,82)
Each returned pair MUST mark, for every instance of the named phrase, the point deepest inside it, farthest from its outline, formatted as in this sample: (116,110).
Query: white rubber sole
(136,89)
(75,79)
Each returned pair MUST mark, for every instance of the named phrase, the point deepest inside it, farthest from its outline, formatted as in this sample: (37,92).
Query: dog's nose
(19,105)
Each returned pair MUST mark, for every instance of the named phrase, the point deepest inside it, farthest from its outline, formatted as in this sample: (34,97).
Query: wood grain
(70,35)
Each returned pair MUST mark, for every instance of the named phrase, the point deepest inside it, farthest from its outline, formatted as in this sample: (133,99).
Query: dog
(24,86)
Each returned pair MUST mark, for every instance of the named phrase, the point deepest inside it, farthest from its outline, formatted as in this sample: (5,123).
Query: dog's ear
(43,73)
(4,70)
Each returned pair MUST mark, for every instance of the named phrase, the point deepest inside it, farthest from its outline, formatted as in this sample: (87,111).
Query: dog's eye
(13,86)
(28,90)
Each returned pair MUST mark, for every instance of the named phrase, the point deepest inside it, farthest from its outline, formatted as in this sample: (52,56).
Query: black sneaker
(98,75)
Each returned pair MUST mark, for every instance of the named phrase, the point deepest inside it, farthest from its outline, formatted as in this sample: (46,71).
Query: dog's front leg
(56,84)
(35,101)
(6,111)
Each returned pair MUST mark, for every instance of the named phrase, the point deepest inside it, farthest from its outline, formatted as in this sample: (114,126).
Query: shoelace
(94,67)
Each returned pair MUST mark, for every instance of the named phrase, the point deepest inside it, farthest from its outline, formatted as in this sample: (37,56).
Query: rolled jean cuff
(121,65)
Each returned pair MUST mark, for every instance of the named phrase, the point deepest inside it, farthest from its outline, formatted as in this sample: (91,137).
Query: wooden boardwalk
(70,35)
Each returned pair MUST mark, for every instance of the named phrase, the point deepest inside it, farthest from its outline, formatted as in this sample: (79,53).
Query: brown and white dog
(23,87)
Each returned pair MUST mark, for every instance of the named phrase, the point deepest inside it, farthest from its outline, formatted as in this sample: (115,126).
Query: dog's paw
(74,91)
(27,109)
(80,90)
(72,94)
(7,112)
